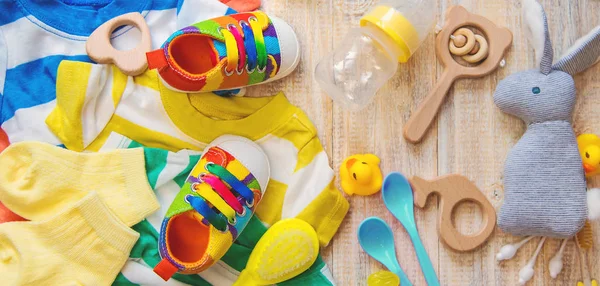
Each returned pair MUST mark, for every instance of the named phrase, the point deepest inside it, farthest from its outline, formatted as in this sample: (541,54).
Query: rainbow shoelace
(247,51)
(220,196)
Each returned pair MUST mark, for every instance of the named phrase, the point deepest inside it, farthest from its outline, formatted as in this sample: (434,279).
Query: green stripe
(255,77)
(156,161)
(182,177)
(237,256)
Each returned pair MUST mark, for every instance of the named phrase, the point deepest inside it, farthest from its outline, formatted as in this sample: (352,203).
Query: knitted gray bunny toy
(544,182)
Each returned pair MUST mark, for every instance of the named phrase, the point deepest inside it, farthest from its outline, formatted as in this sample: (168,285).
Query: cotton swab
(509,251)
(527,272)
(556,263)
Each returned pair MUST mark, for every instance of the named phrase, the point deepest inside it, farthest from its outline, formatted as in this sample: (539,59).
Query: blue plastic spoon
(398,198)
(376,238)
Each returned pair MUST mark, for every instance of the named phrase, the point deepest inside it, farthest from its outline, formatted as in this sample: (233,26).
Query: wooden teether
(473,48)
(462,42)
(131,62)
(486,58)
(453,190)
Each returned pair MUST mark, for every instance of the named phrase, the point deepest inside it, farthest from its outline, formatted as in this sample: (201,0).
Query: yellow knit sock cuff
(141,198)
(106,225)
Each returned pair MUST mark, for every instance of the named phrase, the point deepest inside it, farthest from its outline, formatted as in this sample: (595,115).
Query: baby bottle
(368,56)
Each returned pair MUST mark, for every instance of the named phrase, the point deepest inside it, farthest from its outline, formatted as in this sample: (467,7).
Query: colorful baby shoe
(213,206)
(227,52)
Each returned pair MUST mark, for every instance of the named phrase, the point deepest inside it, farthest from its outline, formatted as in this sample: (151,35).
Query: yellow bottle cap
(396,26)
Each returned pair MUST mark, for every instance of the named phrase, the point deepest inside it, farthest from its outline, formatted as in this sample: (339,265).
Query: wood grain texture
(471,136)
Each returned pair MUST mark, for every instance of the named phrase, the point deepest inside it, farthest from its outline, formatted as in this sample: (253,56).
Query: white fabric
(191,11)
(533,16)
(24,126)
(140,101)
(304,185)
(98,105)
(28,30)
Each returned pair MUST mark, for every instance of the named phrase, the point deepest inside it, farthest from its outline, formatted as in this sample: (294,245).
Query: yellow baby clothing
(99,108)
(95,101)
(82,245)
(39,180)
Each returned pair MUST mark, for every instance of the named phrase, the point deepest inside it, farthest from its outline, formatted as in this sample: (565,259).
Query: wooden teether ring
(467,47)
(452,191)
(131,62)
(480,54)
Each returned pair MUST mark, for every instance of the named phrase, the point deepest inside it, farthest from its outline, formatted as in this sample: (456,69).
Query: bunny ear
(537,32)
(582,55)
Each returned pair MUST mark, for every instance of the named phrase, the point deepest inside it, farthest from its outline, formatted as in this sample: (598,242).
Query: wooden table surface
(471,136)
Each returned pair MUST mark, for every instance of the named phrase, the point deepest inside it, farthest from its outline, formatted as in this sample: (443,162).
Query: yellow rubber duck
(589,149)
(360,174)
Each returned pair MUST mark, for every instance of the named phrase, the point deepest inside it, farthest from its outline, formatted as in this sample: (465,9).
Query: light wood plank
(471,136)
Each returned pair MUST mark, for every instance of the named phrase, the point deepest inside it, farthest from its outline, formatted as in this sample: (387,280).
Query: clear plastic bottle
(368,56)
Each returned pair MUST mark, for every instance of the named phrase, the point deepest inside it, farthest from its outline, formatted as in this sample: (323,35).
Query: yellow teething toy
(360,174)
(287,249)
(383,278)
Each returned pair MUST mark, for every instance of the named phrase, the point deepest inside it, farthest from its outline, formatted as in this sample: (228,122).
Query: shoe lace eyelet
(193,187)
(239,72)
(242,23)
(252,18)
(243,214)
(250,71)
(220,30)
(187,199)
(230,26)
(225,230)
(262,70)
(232,221)
(250,204)
(227,73)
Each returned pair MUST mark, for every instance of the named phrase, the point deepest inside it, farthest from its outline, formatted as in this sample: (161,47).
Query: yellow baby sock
(38,180)
(83,245)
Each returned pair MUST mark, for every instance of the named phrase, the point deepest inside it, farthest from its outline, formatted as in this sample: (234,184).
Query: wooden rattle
(131,62)
(453,190)
(484,52)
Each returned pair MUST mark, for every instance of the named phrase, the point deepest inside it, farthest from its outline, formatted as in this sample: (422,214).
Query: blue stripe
(10,12)
(32,84)
(230,11)
(165,4)
(179,4)
(272,45)
(77,17)
(221,48)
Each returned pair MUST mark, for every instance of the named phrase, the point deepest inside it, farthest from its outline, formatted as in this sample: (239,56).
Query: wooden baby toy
(481,52)
(452,190)
(131,62)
